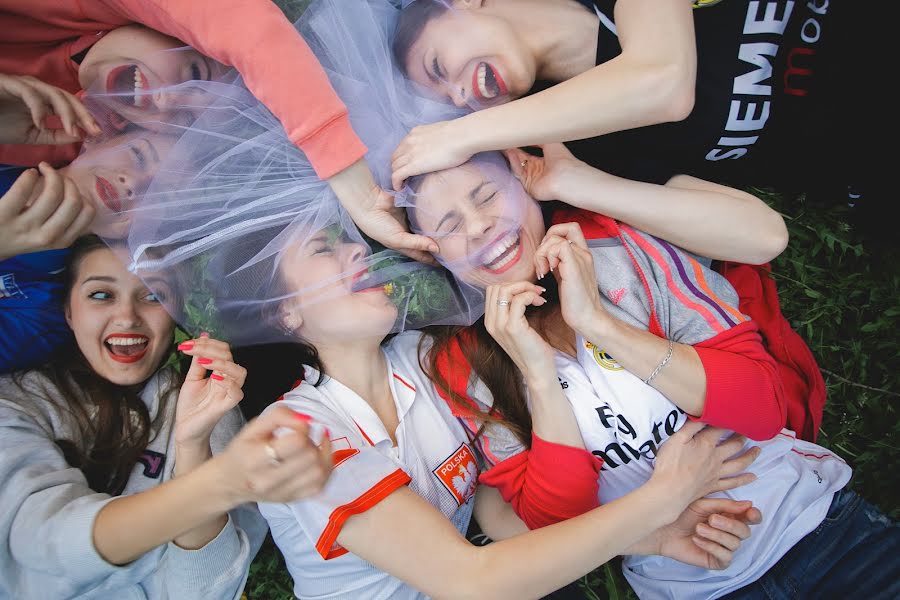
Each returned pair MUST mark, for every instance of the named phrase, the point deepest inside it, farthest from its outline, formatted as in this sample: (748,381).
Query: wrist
(223,491)
(354,185)
(572,184)
(671,494)
(469,134)
(539,385)
(191,454)
(599,327)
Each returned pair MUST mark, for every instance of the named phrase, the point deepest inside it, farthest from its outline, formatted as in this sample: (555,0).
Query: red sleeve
(547,484)
(278,67)
(744,392)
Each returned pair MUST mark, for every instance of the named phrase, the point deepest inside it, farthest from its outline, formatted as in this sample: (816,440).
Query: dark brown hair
(491,364)
(113,422)
(410,25)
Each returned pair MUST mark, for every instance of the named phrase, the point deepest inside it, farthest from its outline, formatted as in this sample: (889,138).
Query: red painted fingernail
(327,433)
(216,376)
(204,361)
(303,417)
(186,345)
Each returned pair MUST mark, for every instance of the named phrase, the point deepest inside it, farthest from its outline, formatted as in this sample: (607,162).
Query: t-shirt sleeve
(275,62)
(361,478)
(694,305)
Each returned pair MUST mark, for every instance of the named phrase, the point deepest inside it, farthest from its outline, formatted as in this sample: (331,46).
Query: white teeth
(508,241)
(138,86)
(482,82)
(130,341)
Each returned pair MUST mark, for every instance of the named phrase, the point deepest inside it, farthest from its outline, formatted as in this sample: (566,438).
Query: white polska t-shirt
(432,456)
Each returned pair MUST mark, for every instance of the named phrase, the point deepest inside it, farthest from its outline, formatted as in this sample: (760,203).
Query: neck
(553,328)
(360,366)
(561,34)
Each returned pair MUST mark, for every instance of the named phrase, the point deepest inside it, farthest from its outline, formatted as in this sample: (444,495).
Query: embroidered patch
(154,463)
(616,295)
(602,357)
(459,474)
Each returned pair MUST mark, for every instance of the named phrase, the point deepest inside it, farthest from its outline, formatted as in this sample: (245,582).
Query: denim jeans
(853,553)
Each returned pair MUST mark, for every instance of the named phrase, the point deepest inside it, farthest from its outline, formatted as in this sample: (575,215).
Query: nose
(133,183)
(478,224)
(458,96)
(354,253)
(127,315)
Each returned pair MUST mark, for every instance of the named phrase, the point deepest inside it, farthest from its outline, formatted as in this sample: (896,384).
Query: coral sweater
(254,36)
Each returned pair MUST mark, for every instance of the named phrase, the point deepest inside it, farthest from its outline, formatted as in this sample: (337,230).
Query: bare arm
(652,81)
(533,564)
(702,217)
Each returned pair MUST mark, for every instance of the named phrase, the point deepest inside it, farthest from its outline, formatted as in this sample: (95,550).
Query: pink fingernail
(186,345)
(204,361)
(216,376)
(303,417)
(204,334)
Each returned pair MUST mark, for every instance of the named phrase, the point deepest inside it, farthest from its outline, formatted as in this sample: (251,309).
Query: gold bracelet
(662,364)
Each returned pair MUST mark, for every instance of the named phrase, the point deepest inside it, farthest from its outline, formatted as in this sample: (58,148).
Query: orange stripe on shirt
(701,281)
(654,254)
(339,515)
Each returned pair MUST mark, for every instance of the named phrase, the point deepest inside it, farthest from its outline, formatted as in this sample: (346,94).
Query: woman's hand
(42,210)
(24,104)
(203,401)
(547,177)
(429,148)
(504,319)
(564,252)
(696,461)
(707,533)
(273,459)
(373,211)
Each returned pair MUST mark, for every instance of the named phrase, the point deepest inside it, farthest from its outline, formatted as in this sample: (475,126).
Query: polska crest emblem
(459,474)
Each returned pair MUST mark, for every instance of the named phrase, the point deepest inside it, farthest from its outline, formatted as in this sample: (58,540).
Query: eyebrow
(103,278)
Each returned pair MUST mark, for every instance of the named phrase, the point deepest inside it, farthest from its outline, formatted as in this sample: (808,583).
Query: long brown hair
(112,421)
(491,365)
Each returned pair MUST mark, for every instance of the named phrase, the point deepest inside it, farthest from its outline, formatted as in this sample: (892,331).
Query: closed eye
(139,158)
(488,199)
(436,69)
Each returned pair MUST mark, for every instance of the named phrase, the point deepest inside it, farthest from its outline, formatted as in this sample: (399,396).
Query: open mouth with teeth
(503,253)
(487,83)
(366,282)
(129,85)
(127,348)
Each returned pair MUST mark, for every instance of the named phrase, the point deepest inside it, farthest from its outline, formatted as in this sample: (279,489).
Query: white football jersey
(432,456)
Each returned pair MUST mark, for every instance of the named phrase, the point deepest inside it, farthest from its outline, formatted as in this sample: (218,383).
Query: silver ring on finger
(502,302)
(274,459)
(523,163)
